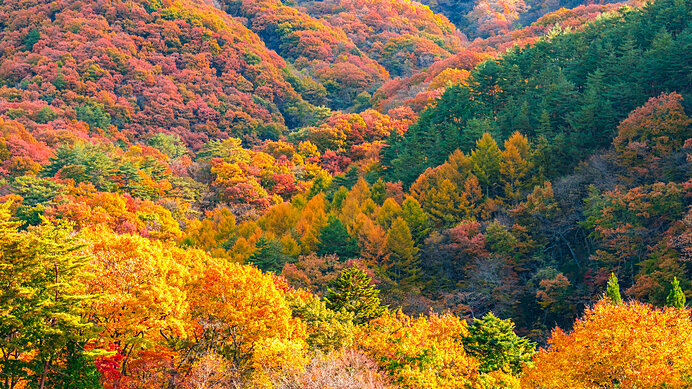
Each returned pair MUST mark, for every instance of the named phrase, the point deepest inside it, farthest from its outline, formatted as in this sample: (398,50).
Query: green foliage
(613,290)
(268,255)
(378,192)
(497,347)
(328,329)
(676,297)
(168,144)
(38,193)
(43,302)
(334,239)
(353,292)
(574,88)
(403,265)
(31,39)
(415,218)
(94,114)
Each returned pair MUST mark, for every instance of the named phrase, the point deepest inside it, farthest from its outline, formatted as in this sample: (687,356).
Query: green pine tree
(268,255)
(676,297)
(334,239)
(353,292)
(497,347)
(613,290)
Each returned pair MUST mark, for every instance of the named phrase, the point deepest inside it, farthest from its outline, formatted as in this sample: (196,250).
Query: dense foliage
(345,194)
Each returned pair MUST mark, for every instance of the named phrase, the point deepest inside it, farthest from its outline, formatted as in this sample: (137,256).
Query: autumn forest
(345,194)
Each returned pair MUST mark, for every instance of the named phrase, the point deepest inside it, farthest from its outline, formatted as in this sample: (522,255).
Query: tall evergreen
(676,297)
(268,255)
(613,290)
(334,239)
(353,292)
(493,341)
(403,266)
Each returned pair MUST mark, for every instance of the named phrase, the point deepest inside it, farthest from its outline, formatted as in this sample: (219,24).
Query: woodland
(341,194)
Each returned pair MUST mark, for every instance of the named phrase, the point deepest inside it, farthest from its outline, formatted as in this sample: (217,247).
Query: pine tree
(676,297)
(334,239)
(353,292)
(613,290)
(348,179)
(268,255)
(494,343)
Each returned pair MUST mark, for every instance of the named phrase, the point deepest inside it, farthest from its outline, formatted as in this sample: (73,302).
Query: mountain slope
(143,67)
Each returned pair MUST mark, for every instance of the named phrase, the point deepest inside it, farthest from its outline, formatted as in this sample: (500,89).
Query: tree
(630,345)
(334,239)
(353,292)
(327,330)
(239,311)
(43,300)
(613,290)
(493,341)
(486,160)
(403,265)
(421,352)
(515,167)
(268,255)
(416,219)
(676,298)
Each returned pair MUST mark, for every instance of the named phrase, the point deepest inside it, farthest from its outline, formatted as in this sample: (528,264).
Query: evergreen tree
(613,290)
(31,38)
(676,297)
(268,255)
(353,292)
(347,180)
(497,347)
(334,239)
(338,198)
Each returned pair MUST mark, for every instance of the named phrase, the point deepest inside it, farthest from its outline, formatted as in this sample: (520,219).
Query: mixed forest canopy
(345,193)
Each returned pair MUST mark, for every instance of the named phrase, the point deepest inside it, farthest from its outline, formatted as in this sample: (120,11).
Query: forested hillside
(345,194)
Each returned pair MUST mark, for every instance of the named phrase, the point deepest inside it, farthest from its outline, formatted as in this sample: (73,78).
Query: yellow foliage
(424,352)
(630,345)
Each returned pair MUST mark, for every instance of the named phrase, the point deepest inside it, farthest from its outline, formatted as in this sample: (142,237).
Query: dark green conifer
(493,341)
(268,255)
(334,239)
(353,292)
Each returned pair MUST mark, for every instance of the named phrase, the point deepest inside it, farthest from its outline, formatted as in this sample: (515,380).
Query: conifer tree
(268,255)
(378,193)
(676,297)
(404,263)
(416,219)
(334,239)
(613,290)
(493,341)
(486,160)
(353,292)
